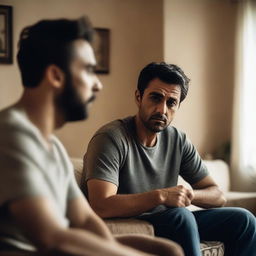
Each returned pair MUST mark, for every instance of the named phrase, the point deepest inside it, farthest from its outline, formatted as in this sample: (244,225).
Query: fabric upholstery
(219,171)
(212,248)
(129,226)
(245,200)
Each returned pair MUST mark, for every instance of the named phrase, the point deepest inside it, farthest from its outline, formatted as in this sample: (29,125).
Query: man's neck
(40,111)
(146,137)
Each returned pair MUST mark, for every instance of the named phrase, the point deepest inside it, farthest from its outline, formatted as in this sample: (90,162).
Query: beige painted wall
(136,39)
(199,36)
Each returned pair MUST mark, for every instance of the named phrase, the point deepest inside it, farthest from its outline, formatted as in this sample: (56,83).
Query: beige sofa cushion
(78,169)
(219,171)
(129,226)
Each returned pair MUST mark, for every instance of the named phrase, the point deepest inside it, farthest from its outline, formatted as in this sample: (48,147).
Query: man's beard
(71,105)
(156,123)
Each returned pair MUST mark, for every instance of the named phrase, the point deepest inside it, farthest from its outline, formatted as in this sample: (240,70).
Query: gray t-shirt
(29,169)
(115,155)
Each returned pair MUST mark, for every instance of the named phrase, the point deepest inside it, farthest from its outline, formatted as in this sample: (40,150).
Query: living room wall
(199,35)
(136,28)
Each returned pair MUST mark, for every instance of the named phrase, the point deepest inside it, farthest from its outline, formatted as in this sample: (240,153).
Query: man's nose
(97,85)
(162,108)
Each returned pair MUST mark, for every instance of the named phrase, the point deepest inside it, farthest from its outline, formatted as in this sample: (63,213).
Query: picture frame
(101,46)
(6,55)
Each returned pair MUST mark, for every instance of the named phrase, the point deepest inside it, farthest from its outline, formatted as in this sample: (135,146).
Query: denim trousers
(235,227)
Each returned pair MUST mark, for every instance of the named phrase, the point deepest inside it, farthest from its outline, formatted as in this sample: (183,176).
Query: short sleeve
(103,158)
(20,174)
(73,188)
(192,167)
(65,164)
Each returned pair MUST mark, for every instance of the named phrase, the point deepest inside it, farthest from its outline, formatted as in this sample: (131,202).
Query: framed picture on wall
(101,46)
(5,34)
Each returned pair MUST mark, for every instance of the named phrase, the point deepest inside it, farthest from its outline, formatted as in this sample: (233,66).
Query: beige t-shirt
(28,168)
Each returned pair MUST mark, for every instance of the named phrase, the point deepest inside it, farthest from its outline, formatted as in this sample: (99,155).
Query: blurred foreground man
(41,206)
(132,166)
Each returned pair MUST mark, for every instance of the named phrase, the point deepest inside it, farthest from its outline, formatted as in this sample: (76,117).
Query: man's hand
(178,196)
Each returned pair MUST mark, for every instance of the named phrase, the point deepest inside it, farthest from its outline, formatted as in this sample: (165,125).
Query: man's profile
(132,165)
(41,206)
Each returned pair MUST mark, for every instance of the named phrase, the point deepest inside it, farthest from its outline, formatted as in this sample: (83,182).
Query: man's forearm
(119,205)
(208,197)
(80,242)
(96,225)
(127,205)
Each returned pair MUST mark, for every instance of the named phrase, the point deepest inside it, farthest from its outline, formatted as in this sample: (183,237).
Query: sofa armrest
(245,200)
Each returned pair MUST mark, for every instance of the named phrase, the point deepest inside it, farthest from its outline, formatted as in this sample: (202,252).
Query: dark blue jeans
(235,227)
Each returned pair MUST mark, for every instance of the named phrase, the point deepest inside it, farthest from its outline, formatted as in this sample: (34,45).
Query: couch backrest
(78,168)
(218,169)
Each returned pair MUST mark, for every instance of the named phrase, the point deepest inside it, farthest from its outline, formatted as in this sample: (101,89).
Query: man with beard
(132,165)
(41,206)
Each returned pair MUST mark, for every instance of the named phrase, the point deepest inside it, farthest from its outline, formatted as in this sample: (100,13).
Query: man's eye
(155,98)
(90,69)
(171,103)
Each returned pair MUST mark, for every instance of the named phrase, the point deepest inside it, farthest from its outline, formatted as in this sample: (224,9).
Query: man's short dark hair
(168,73)
(49,42)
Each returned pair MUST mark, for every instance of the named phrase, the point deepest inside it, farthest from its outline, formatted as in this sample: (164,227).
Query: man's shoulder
(116,128)
(7,116)
(13,117)
(174,132)
(11,121)
(16,130)
(116,133)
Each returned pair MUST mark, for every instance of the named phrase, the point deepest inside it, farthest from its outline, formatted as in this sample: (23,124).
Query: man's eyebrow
(88,66)
(156,93)
(159,94)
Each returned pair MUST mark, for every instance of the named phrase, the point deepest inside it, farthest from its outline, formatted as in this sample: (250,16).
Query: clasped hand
(178,196)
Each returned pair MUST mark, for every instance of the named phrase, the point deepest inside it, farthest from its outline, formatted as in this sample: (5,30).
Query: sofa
(219,171)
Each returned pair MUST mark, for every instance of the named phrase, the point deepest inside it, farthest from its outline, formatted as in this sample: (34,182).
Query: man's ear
(137,97)
(55,76)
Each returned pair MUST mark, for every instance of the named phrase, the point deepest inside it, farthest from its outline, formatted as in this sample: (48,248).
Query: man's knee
(181,218)
(245,219)
(243,214)
(184,215)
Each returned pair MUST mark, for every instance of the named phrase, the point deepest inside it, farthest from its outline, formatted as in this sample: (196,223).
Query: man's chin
(76,115)
(77,118)
(91,99)
(89,104)
(156,128)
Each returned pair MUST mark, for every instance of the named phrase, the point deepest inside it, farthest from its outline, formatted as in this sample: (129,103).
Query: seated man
(132,165)
(41,207)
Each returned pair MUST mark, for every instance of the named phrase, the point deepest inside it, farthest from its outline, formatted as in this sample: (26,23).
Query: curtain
(243,151)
